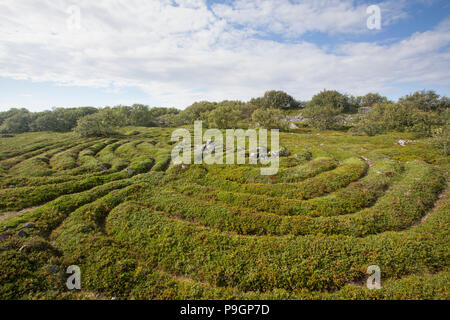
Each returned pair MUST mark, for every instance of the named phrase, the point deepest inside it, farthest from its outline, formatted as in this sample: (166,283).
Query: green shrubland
(140,227)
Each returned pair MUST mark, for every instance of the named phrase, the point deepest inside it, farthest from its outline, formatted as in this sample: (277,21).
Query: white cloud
(290,19)
(183,52)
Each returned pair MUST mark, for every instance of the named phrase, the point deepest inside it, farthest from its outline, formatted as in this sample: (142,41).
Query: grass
(338,204)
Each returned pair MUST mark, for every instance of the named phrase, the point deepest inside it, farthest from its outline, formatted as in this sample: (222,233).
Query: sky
(171,53)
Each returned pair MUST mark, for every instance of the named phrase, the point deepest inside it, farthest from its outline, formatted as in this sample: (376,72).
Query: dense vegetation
(424,112)
(141,228)
(100,192)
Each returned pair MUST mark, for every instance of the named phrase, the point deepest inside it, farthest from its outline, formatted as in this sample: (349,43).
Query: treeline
(423,112)
(87,121)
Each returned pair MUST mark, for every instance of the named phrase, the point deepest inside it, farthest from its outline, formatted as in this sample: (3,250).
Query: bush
(277,100)
(94,126)
(270,118)
(388,116)
(425,101)
(18,123)
(332,99)
(324,116)
(229,115)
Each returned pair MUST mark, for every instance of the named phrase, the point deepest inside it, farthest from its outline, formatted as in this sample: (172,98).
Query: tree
(441,134)
(270,118)
(94,125)
(324,116)
(277,100)
(197,111)
(330,100)
(388,116)
(370,99)
(230,115)
(60,120)
(425,101)
(11,112)
(19,122)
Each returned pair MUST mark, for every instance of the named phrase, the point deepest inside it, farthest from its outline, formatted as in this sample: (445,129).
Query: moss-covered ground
(140,228)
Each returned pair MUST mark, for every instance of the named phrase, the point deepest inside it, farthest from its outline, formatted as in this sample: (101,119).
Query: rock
(254,155)
(210,148)
(103,168)
(275,154)
(6,228)
(293,125)
(51,269)
(129,171)
(22,234)
(200,148)
(28,226)
(283,152)
(365,109)
(403,143)
(261,150)
(296,118)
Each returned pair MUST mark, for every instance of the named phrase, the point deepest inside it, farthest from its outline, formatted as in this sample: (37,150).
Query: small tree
(270,118)
(229,115)
(275,99)
(425,101)
(330,101)
(94,126)
(324,116)
(18,123)
(369,100)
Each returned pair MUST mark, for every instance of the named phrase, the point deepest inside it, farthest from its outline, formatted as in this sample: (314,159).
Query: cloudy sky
(61,53)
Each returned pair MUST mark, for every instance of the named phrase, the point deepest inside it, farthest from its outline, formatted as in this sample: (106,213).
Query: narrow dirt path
(444,195)
(6,215)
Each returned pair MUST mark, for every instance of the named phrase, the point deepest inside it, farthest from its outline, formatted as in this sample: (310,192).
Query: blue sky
(172,53)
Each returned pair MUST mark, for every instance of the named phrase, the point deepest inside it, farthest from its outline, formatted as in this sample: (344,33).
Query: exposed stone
(365,109)
(403,143)
(28,226)
(261,150)
(51,269)
(22,234)
(296,118)
(129,171)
